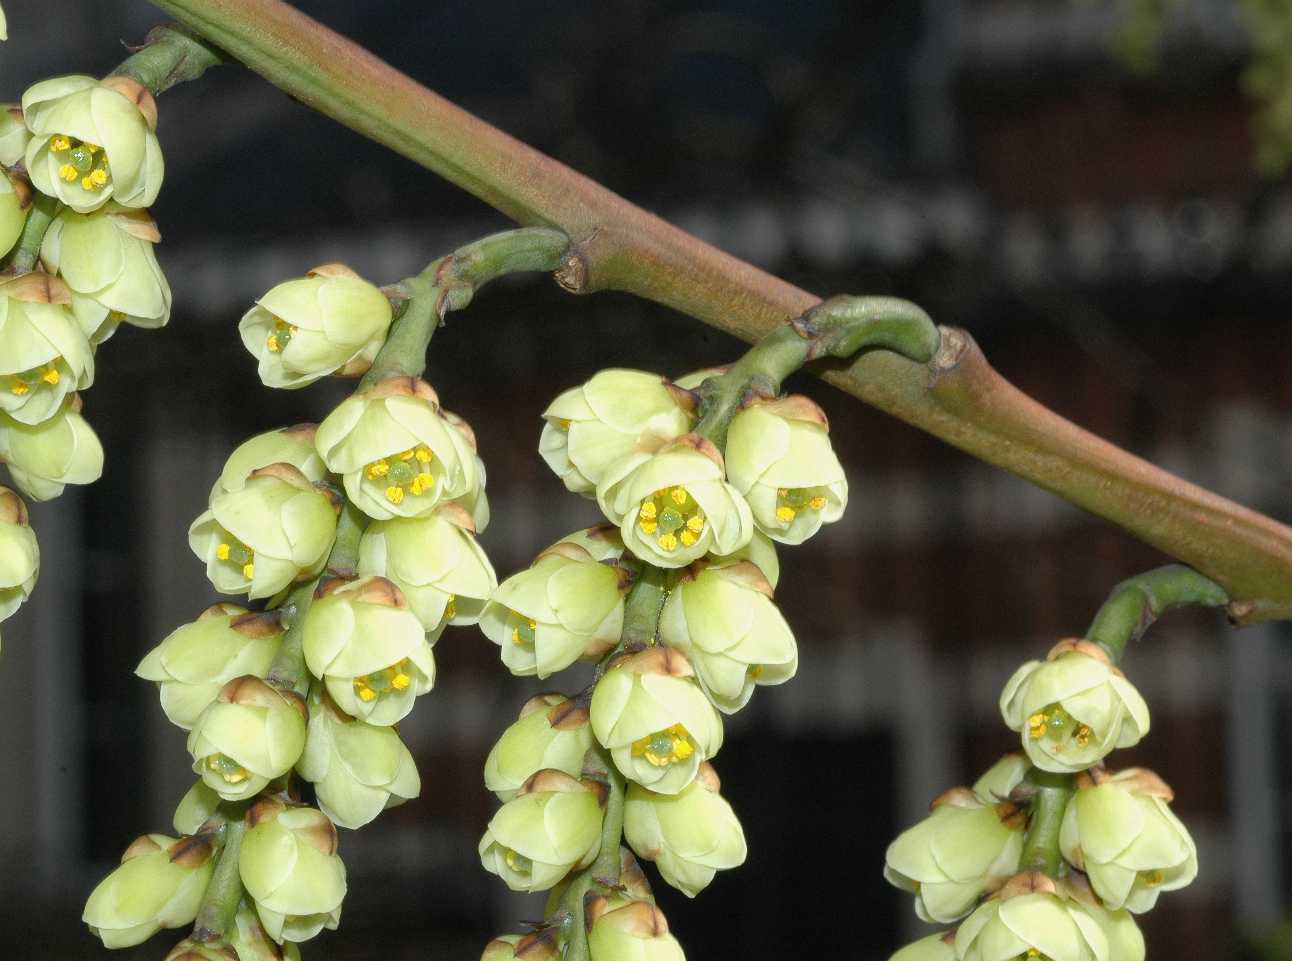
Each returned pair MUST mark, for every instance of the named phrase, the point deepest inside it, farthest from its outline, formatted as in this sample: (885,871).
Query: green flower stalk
(936,947)
(779,457)
(357,769)
(331,321)
(107,259)
(551,827)
(14,135)
(623,930)
(43,353)
(287,445)
(1074,708)
(964,848)
(437,563)
(369,648)
(553,733)
(1030,917)
(93,141)
(398,456)
(198,805)
(249,735)
(289,866)
(659,727)
(723,619)
(675,506)
(196,660)
(588,429)
(567,606)
(159,884)
(1119,830)
(275,531)
(44,458)
(690,835)
(15,201)
(19,554)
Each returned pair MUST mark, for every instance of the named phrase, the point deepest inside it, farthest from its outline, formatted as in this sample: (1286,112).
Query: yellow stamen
(563,424)
(668,542)
(366,694)
(1152,879)
(395,494)
(755,672)
(648,527)
(689,538)
(68,172)
(406,455)
(19,388)
(1036,724)
(817,503)
(678,494)
(91,147)
(648,511)
(378,468)
(1082,735)
(421,484)
(222,552)
(785,514)
(272,343)
(451,608)
(400,681)
(664,747)
(425,455)
(59,143)
(695,523)
(98,178)
(249,570)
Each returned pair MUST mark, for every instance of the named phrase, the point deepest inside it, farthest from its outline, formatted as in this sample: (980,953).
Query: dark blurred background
(1103,233)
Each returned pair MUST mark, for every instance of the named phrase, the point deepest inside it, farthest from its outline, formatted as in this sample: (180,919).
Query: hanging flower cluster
(1121,845)
(672,601)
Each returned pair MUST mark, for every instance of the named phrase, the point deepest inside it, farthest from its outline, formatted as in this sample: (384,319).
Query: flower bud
(249,939)
(538,945)
(1029,917)
(690,835)
(1119,830)
(567,606)
(93,141)
(195,808)
(290,867)
(287,445)
(250,734)
(779,457)
(399,457)
(936,947)
(369,649)
(19,553)
(675,506)
(44,458)
(550,827)
(655,720)
(43,354)
(589,429)
(963,848)
(552,733)
(331,320)
(358,769)
(14,135)
(159,884)
(196,660)
(1073,708)
(622,930)
(724,621)
(435,561)
(276,530)
(998,781)
(15,202)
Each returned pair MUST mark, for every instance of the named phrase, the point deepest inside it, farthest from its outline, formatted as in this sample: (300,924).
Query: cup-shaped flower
(329,321)
(93,141)
(276,530)
(552,826)
(287,445)
(588,429)
(723,619)
(1030,914)
(196,660)
(655,720)
(779,457)
(195,808)
(358,769)
(369,648)
(289,866)
(43,353)
(398,456)
(436,561)
(44,458)
(963,848)
(1073,708)
(19,553)
(675,506)
(1125,940)
(690,835)
(935,947)
(541,945)
(624,930)
(566,606)
(552,733)
(1119,829)
(107,260)
(15,202)
(250,734)
(159,884)
(14,135)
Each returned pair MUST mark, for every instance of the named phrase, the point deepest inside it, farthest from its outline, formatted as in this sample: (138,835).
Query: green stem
(1138,601)
(224,890)
(22,259)
(169,56)
(642,607)
(527,249)
(404,353)
(604,871)
(839,327)
(345,549)
(1041,842)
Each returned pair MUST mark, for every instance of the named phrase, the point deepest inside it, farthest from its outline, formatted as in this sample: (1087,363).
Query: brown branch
(618,246)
